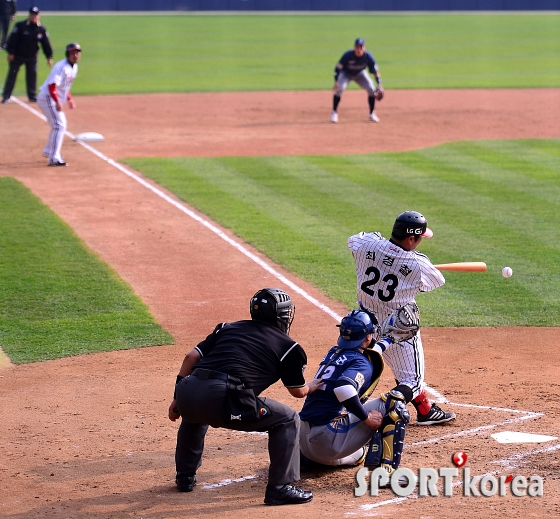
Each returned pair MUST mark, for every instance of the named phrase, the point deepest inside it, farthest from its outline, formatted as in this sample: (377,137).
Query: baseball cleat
(435,416)
(334,117)
(6,100)
(58,163)
(373,118)
(286,495)
(184,482)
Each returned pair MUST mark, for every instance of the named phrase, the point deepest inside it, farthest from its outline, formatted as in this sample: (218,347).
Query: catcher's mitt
(402,324)
(379,94)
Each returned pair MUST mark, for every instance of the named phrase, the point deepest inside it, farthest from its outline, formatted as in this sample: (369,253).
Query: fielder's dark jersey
(255,352)
(25,38)
(350,366)
(352,64)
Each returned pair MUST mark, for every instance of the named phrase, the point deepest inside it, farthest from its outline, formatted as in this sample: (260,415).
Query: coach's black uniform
(23,44)
(8,9)
(258,354)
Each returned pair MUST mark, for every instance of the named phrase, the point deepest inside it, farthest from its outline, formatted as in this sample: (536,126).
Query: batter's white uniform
(62,75)
(389,277)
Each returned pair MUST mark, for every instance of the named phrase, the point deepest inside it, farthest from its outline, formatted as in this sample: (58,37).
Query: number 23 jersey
(388,276)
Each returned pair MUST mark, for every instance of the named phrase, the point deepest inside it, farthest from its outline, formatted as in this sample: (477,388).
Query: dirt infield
(88,437)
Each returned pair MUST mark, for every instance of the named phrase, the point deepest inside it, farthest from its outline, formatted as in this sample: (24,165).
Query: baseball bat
(466,266)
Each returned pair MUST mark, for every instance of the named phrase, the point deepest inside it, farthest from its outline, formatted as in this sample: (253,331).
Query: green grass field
(178,53)
(57,298)
(492,201)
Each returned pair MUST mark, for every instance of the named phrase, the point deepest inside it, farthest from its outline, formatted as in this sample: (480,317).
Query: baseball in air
(507,272)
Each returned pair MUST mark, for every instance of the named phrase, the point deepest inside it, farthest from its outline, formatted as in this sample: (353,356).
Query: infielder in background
(219,383)
(352,67)
(390,273)
(338,420)
(8,9)
(54,92)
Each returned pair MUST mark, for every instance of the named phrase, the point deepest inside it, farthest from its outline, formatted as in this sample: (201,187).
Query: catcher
(352,67)
(337,421)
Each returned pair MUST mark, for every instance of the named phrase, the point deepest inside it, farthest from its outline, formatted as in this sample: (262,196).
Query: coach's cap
(360,42)
(34,10)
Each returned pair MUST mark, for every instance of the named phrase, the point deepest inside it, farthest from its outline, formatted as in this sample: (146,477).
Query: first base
(89,137)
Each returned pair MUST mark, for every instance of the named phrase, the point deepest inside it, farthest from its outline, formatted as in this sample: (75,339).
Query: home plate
(89,137)
(517,437)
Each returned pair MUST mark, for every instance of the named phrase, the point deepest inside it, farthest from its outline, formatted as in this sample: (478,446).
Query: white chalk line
(510,463)
(226,482)
(206,223)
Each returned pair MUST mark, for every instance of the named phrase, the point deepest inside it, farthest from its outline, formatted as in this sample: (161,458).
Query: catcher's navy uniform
(334,430)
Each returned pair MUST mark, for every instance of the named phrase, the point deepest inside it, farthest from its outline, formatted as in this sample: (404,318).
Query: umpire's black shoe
(287,495)
(435,416)
(185,482)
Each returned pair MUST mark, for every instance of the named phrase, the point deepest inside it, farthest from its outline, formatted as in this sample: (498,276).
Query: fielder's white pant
(363,79)
(57,122)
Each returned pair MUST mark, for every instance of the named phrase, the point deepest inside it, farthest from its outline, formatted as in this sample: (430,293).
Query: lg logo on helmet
(414,231)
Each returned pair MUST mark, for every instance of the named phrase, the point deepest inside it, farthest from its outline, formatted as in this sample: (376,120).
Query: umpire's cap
(72,46)
(360,42)
(354,328)
(411,223)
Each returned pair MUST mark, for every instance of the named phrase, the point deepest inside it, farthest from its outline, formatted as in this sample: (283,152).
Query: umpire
(219,383)
(8,10)
(22,48)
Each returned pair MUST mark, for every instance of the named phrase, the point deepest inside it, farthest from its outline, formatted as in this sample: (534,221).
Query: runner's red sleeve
(53,92)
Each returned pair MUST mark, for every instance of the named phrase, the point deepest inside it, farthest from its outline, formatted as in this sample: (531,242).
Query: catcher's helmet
(273,306)
(72,46)
(411,223)
(354,328)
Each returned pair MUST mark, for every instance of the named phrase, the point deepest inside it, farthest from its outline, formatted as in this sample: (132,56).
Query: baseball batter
(389,274)
(338,420)
(352,67)
(54,93)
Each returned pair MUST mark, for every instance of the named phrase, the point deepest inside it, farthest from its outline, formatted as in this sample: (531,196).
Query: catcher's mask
(411,223)
(72,46)
(354,328)
(273,306)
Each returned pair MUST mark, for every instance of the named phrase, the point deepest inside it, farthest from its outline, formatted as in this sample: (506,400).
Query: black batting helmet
(72,46)
(411,223)
(273,306)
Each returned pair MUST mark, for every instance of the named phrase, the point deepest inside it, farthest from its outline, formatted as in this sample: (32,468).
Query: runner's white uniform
(62,75)
(389,277)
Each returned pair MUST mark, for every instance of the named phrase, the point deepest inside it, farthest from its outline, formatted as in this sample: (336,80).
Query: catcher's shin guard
(387,442)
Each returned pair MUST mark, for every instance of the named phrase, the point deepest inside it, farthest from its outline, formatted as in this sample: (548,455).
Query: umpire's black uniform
(258,354)
(23,45)
(8,9)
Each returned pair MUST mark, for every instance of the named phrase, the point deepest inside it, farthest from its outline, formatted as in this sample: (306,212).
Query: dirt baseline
(88,436)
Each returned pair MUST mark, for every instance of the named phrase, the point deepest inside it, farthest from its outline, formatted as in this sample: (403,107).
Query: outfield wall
(298,5)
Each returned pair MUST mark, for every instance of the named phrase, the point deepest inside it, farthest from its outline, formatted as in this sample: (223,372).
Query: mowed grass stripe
(301,210)
(57,298)
(215,53)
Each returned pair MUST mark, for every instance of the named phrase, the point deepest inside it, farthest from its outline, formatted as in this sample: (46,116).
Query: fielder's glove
(402,324)
(379,94)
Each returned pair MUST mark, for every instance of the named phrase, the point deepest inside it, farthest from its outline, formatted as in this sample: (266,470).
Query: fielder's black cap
(360,42)
(34,10)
